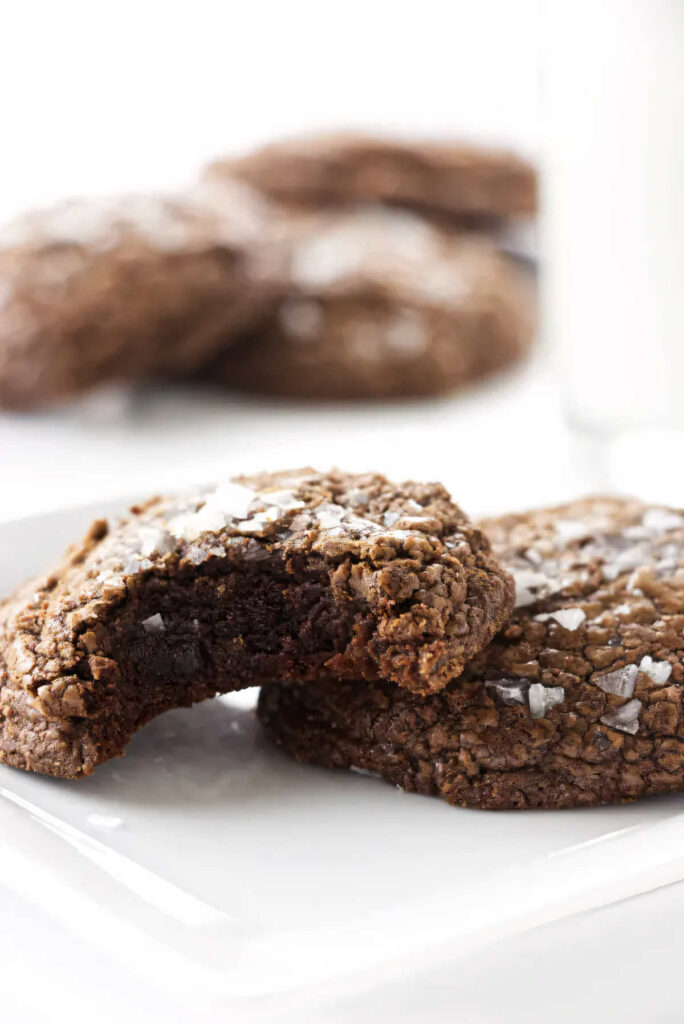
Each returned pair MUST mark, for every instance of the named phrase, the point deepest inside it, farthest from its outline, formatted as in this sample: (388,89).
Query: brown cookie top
(381,303)
(455,180)
(390,251)
(578,700)
(290,575)
(127,287)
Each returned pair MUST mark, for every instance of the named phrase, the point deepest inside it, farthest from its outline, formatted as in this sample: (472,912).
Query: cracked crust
(578,700)
(381,304)
(124,289)
(297,575)
(458,181)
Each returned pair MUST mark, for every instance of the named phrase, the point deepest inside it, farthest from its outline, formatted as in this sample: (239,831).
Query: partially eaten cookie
(293,576)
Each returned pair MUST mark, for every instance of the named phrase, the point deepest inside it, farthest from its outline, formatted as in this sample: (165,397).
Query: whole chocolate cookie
(577,701)
(296,576)
(382,304)
(457,180)
(128,288)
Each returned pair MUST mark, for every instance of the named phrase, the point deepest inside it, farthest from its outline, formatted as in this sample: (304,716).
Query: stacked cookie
(398,285)
(382,304)
(296,577)
(535,660)
(336,267)
(576,702)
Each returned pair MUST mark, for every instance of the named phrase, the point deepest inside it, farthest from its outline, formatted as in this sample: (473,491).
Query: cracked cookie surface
(296,575)
(578,699)
(382,304)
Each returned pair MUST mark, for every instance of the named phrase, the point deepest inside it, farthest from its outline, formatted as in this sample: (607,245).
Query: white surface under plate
(206,877)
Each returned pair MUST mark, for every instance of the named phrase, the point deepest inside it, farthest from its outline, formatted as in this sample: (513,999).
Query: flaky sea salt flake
(624,561)
(510,691)
(257,524)
(135,565)
(542,698)
(154,624)
(530,586)
(196,554)
(621,681)
(232,499)
(569,618)
(284,500)
(190,527)
(358,497)
(660,520)
(658,671)
(571,529)
(624,719)
(329,516)
(155,541)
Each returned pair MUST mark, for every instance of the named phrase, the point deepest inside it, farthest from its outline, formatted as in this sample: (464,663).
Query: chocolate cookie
(126,289)
(381,304)
(291,576)
(459,181)
(577,701)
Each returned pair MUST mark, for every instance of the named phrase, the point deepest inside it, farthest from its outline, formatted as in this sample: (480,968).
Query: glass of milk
(613,235)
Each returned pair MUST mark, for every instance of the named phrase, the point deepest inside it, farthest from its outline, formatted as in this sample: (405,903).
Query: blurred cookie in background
(315,276)
(382,304)
(459,181)
(128,288)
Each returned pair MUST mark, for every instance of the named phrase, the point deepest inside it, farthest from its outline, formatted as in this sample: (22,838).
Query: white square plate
(207,877)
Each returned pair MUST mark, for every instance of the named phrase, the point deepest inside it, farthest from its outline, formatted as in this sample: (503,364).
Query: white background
(99,98)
